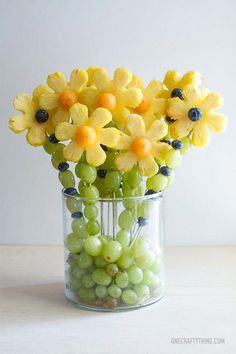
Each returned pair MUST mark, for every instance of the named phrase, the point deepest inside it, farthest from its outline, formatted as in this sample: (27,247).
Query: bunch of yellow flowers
(146,128)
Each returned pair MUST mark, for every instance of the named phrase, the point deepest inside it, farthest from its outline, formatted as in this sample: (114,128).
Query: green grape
(81,185)
(50,148)
(122,279)
(74,284)
(105,239)
(171,179)
(89,192)
(186,145)
(109,163)
(87,281)
(145,208)
(148,277)
(123,236)
(112,180)
(101,277)
(129,297)
(157,183)
(66,178)
(142,290)
(129,204)
(86,172)
(86,295)
(84,260)
(90,212)
(83,158)
(112,269)
(93,246)
(71,259)
(135,274)
(134,178)
(127,190)
(93,227)
(112,251)
(79,227)
(73,243)
(101,291)
(78,272)
(146,260)
(118,194)
(126,220)
(126,259)
(156,267)
(100,262)
(114,291)
(103,191)
(73,204)
(173,159)
(90,269)
(140,190)
(140,246)
(57,156)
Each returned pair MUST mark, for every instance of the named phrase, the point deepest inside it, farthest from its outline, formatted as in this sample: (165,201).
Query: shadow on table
(43,301)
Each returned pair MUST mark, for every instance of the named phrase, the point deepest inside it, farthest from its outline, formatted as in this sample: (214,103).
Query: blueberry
(63,166)
(166,141)
(170,120)
(177,144)
(70,191)
(177,92)
(101,173)
(41,116)
(142,221)
(150,191)
(77,214)
(52,138)
(165,171)
(194,114)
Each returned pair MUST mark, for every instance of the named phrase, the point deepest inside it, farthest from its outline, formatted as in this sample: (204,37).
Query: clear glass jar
(113,251)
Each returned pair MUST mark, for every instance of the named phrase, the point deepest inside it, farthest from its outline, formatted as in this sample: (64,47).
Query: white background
(148,37)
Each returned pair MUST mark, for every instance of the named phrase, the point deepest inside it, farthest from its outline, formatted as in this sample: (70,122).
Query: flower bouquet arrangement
(116,144)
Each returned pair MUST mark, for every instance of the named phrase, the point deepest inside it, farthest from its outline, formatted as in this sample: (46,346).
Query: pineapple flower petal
(72,151)
(95,155)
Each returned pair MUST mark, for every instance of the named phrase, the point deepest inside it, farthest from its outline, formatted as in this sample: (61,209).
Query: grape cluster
(108,273)
(121,269)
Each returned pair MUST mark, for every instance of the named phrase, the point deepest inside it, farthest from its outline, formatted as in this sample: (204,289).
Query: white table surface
(35,317)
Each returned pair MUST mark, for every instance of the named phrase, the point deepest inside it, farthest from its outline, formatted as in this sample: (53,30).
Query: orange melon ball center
(68,98)
(108,101)
(141,147)
(144,105)
(86,136)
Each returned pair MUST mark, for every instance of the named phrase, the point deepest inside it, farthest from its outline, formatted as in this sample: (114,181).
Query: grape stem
(136,235)
(114,215)
(102,220)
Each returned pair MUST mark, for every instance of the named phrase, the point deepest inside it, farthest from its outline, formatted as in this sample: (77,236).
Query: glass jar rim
(119,199)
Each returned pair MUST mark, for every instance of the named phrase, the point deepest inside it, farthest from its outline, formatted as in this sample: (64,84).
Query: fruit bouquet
(116,144)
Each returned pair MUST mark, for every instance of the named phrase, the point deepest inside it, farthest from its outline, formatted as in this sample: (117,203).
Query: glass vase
(113,251)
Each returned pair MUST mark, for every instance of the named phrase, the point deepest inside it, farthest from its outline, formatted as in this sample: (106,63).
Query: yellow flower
(64,94)
(86,134)
(152,106)
(175,83)
(113,95)
(195,115)
(142,147)
(33,118)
